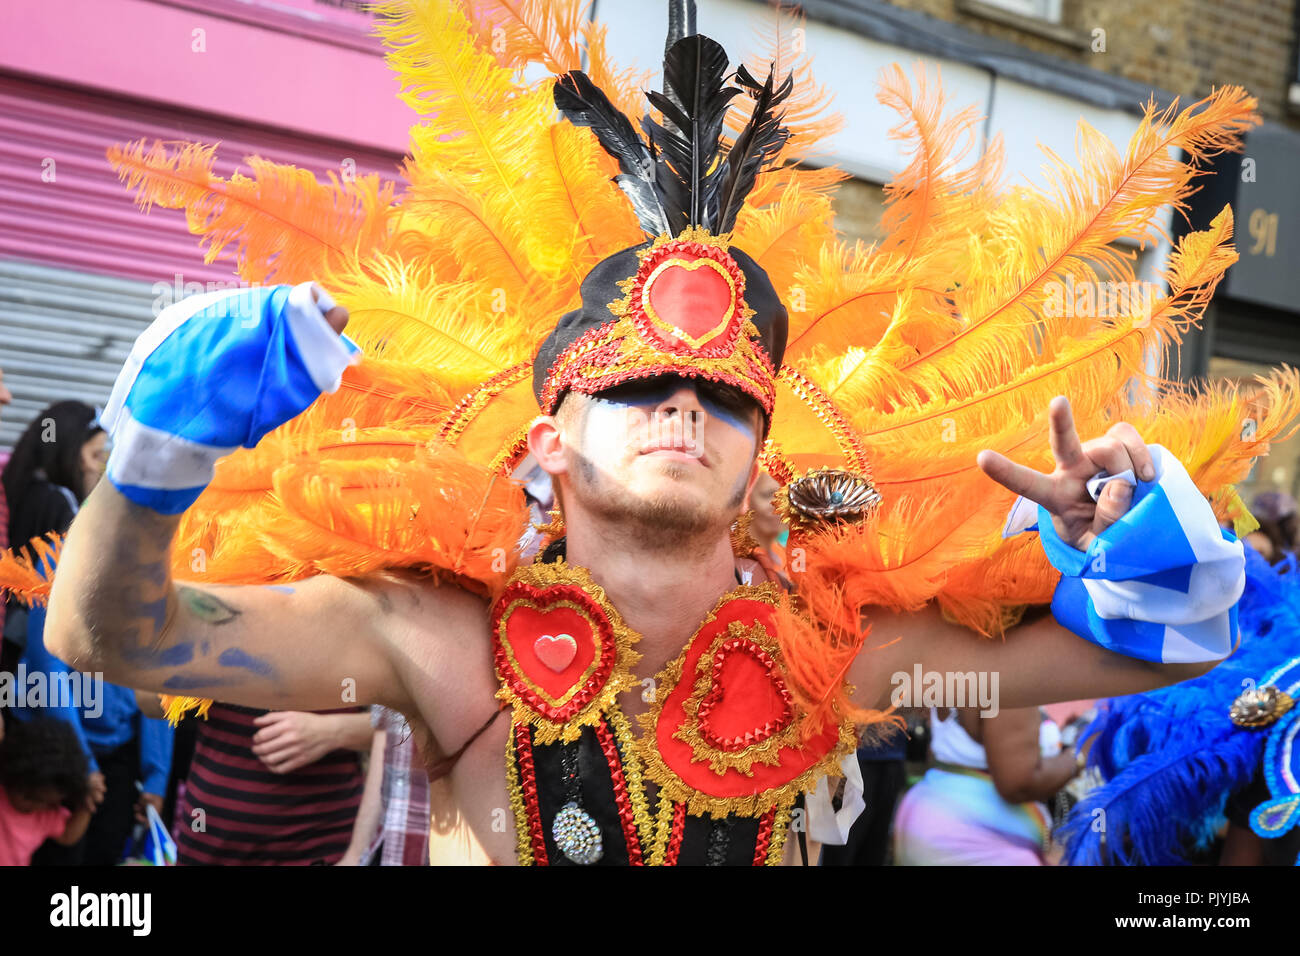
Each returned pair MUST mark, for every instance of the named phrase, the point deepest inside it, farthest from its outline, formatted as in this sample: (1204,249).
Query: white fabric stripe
(1022,516)
(1216,581)
(1213,587)
(1194,514)
(1197,643)
(168,321)
(323,350)
(152,458)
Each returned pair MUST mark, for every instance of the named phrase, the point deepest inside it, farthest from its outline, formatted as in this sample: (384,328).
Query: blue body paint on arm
(167,657)
(198,681)
(234,657)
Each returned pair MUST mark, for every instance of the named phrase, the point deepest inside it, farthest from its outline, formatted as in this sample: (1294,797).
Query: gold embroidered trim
(552,529)
(603,698)
(825,410)
(780,828)
(663,830)
(512,454)
(524,847)
(645,826)
(615,352)
(474,402)
(743,542)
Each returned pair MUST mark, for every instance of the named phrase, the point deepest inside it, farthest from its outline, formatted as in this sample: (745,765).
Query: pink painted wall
(61,204)
(320,81)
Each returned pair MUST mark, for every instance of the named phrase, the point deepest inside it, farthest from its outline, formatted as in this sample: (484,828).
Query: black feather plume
(584,104)
(689,172)
(760,140)
(678,176)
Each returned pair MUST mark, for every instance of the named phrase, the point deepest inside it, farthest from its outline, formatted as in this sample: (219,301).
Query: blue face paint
(234,657)
(731,417)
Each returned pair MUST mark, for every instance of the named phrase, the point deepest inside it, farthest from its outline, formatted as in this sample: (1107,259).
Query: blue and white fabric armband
(1161,584)
(212,373)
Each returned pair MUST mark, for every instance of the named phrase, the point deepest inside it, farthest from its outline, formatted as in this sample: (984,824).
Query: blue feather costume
(1172,757)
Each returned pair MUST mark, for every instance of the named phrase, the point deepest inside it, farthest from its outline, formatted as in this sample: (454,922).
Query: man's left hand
(1064,493)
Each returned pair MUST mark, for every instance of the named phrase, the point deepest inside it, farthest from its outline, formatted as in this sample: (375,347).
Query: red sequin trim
(678,832)
(711,700)
(602,348)
(610,748)
(764,837)
(528,784)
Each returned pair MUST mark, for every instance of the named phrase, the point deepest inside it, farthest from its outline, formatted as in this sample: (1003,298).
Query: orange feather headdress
(904,358)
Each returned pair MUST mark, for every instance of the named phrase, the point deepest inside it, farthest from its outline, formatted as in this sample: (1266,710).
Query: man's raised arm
(1147,596)
(213,373)
(115,609)
(921,660)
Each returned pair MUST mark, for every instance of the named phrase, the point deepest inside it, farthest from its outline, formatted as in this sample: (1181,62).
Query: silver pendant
(577,835)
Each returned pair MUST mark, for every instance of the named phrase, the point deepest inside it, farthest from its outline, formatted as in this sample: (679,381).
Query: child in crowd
(43,788)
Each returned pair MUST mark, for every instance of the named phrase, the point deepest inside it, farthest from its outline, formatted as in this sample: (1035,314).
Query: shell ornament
(1260,707)
(830,494)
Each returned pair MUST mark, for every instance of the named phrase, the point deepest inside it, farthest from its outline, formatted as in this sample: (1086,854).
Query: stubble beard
(660,522)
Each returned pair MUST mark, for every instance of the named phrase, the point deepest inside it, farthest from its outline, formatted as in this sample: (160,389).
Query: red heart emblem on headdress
(747,701)
(691,300)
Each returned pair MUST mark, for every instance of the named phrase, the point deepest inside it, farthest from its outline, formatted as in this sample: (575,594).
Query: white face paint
(668,451)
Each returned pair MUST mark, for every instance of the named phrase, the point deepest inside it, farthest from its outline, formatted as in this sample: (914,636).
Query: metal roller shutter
(64,334)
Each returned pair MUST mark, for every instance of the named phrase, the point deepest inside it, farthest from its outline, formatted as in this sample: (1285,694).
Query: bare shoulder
(438,636)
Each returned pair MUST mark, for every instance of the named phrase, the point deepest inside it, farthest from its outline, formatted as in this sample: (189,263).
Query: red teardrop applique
(692,300)
(748,701)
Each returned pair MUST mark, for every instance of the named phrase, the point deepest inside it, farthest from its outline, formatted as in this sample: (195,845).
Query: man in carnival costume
(643,693)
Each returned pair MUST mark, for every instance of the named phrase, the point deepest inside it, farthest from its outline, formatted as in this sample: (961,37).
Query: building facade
(301,81)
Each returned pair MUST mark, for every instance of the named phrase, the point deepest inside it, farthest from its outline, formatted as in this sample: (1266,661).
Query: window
(1049,10)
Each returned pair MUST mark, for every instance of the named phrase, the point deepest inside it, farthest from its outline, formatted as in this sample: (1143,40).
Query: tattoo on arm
(207,607)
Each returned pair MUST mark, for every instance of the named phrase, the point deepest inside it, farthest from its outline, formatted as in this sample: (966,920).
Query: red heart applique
(747,701)
(556,652)
(694,298)
(554,647)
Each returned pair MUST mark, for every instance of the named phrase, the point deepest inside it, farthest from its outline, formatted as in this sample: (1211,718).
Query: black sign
(1262,184)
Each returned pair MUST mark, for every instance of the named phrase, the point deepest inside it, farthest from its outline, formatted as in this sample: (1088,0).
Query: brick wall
(1183,46)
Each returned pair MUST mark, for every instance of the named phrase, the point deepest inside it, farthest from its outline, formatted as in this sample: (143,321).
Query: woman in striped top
(272,788)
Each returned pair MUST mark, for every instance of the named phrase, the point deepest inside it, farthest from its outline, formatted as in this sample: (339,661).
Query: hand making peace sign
(1064,493)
